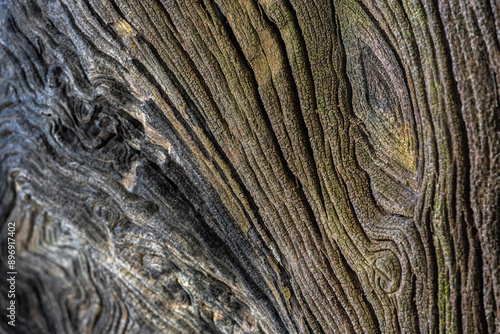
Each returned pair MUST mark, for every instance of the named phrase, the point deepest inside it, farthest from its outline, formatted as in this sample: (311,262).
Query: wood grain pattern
(251,166)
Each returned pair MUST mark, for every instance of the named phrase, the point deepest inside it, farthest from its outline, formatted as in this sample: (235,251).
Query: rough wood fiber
(251,166)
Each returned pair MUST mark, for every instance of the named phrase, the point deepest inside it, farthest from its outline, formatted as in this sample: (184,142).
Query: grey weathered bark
(248,166)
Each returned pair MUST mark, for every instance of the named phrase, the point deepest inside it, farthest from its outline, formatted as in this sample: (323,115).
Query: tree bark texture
(251,166)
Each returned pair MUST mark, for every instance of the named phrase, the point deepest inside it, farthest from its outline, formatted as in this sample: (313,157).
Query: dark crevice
(354,280)
(308,326)
(304,138)
(291,177)
(141,68)
(305,54)
(201,122)
(313,223)
(117,9)
(116,37)
(221,252)
(166,16)
(414,310)
(344,302)
(289,312)
(310,314)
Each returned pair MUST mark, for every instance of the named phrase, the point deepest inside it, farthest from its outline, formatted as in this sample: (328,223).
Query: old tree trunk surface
(251,166)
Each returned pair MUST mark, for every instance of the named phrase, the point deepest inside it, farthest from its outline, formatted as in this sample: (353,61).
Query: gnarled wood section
(251,166)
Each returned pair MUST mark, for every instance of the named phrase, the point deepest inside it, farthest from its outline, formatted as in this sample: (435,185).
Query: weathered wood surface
(251,166)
